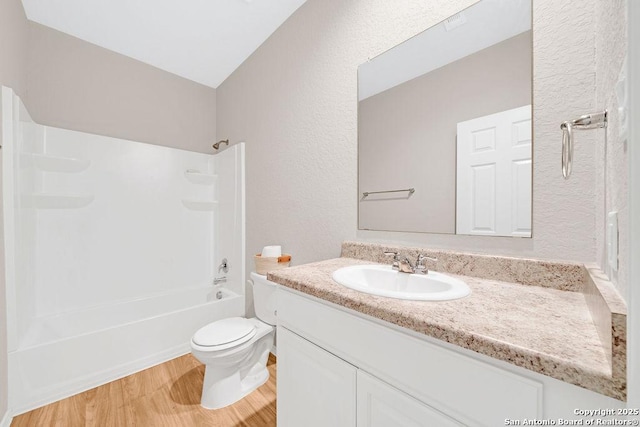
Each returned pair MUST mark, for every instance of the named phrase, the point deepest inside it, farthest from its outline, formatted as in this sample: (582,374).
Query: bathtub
(68,353)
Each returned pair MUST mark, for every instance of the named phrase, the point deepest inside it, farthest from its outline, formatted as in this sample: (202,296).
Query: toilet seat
(224,334)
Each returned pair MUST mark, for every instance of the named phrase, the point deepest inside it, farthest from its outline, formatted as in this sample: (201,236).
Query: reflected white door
(493,189)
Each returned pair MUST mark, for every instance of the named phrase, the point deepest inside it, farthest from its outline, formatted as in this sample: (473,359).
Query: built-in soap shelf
(200,178)
(54,201)
(58,164)
(48,163)
(195,176)
(199,205)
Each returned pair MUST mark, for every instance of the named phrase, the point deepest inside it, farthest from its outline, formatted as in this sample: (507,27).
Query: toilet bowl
(235,350)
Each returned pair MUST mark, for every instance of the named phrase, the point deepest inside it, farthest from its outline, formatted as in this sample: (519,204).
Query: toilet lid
(232,330)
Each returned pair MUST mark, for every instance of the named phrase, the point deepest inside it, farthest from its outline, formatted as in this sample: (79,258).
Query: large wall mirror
(444,127)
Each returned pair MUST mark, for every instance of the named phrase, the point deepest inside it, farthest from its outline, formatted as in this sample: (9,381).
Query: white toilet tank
(264,298)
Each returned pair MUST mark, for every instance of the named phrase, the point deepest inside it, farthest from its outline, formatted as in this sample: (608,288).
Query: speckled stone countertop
(543,329)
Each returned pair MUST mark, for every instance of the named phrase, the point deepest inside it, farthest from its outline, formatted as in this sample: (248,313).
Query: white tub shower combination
(111,247)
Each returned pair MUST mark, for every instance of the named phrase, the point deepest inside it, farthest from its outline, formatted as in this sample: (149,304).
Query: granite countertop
(543,329)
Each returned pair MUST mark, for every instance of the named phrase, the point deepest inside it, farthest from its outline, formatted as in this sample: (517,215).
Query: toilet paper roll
(272,251)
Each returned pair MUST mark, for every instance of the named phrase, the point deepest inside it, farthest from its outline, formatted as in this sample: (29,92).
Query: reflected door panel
(493,183)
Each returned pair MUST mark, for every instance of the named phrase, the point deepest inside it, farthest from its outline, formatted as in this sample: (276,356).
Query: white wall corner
(6,419)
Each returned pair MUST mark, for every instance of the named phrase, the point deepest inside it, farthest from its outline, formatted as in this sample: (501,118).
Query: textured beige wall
(407,134)
(75,85)
(610,52)
(13,46)
(294,102)
(13,52)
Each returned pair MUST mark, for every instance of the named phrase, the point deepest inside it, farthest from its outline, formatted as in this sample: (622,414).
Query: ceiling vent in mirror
(455,21)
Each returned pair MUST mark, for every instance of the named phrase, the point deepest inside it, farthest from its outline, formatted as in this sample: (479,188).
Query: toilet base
(219,391)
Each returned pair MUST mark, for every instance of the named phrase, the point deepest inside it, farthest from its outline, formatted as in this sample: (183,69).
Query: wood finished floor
(164,395)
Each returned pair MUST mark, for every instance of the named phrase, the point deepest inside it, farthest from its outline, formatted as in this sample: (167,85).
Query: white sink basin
(384,281)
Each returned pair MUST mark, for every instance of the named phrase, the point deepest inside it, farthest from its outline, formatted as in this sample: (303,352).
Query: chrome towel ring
(588,121)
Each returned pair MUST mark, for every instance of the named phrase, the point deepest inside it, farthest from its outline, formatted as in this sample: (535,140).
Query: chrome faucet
(396,260)
(403,265)
(421,264)
(216,282)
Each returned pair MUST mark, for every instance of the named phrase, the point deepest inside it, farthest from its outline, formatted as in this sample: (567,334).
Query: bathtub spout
(216,284)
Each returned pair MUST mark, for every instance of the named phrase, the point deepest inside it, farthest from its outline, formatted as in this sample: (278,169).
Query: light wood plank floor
(164,395)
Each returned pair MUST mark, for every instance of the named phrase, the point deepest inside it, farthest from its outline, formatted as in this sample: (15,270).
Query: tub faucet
(216,282)
(224,266)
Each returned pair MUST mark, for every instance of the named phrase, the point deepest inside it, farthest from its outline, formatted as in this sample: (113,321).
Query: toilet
(235,350)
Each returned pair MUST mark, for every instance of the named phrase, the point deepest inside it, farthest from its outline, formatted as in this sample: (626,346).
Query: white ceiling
(201,40)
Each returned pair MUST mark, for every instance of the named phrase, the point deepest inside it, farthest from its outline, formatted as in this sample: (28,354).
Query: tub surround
(74,321)
(548,317)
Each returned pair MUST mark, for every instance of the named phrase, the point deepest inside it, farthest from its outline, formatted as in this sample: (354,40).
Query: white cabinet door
(381,405)
(493,194)
(315,388)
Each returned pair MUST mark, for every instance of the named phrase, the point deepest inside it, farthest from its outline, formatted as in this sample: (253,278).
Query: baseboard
(6,420)
(88,382)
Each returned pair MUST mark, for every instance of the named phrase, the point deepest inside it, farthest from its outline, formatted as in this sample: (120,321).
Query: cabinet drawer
(471,391)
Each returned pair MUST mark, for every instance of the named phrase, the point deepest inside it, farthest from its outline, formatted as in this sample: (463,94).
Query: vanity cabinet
(315,388)
(339,368)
